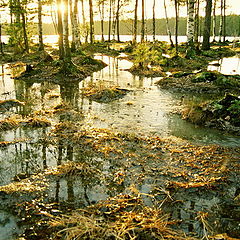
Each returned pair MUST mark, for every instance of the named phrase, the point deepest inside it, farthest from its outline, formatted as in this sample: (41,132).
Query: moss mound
(103,93)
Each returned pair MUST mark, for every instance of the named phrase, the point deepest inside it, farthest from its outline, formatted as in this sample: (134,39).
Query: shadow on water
(146,109)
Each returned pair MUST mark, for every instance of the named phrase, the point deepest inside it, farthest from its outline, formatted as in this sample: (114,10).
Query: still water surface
(146,109)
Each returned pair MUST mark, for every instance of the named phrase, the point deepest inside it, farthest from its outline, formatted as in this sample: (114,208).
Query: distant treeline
(126,26)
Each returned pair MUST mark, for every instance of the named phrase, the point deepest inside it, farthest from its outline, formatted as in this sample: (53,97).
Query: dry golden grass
(73,168)
(123,217)
(34,184)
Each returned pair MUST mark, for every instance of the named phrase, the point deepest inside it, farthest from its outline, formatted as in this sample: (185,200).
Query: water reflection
(228,66)
(8,226)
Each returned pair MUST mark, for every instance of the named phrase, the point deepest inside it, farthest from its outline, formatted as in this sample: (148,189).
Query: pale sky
(234,8)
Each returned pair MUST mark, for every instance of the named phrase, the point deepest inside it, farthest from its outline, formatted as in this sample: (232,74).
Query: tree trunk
(84,22)
(214,20)
(60,30)
(114,20)
(207,26)
(190,29)
(135,22)
(24,28)
(101,9)
(117,21)
(224,20)
(40,28)
(167,24)
(154,21)
(73,27)
(110,20)
(221,22)
(196,22)
(76,42)
(67,51)
(91,21)
(176,25)
(143,22)
(190,22)
(1,44)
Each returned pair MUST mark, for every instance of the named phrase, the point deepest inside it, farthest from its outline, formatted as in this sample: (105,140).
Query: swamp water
(144,110)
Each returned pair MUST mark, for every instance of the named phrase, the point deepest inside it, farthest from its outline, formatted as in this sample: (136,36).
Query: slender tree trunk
(67,51)
(60,30)
(143,22)
(91,21)
(135,22)
(176,25)
(40,28)
(207,26)
(24,27)
(167,24)
(110,20)
(190,22)
(76,24)
(114,19)
(221,22)
(214,20)
(224,20)
(190,29)
(117,20)
(154,21)
(84,22)
(196,22)
(73,27)
(73,6)
(1,44)
(101,9)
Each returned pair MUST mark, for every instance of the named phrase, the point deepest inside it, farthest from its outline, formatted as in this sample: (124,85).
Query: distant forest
(126,26)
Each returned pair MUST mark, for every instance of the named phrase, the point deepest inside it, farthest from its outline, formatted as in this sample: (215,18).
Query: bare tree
(135,22)
(91,21)
(207,26)
(154,21)
(143,22)
(40,27)
(167,24)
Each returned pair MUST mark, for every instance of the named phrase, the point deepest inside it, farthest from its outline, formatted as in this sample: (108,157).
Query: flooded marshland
(63,150)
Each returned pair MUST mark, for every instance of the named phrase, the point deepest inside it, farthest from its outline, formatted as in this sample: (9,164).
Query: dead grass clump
(8,124)
(37,122)
(123,217)
(10,103)
(102,93)
(73,168)
(36,183)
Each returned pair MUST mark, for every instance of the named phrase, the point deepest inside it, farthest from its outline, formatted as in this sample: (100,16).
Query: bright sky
(233,8)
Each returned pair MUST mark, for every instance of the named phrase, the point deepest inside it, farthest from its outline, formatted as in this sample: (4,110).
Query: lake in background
(53,39)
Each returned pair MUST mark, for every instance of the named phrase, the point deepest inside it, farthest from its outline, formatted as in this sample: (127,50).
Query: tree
(67,51)
(40,27)
(190,22)
(135,22)
(60,30)
(76,42)
(176,5)
(190,29)
(110,20)
(154,21)
(101,5)
(207,26)
(117,20)
(221,22)
(214,20)
(167,24)
(91,21)
(196,21)
(143,22)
